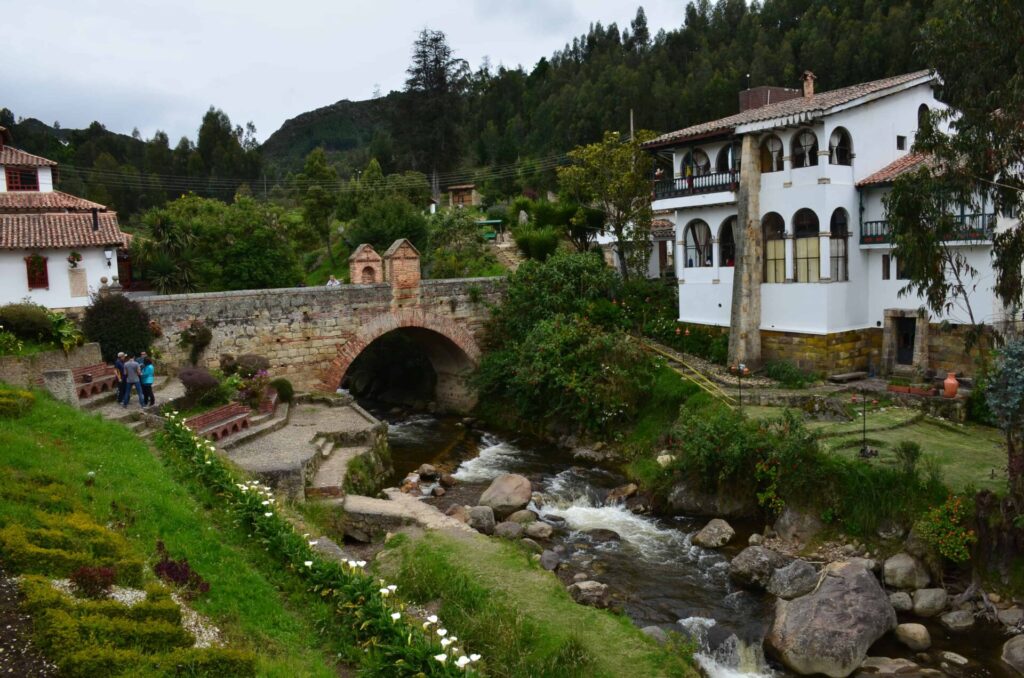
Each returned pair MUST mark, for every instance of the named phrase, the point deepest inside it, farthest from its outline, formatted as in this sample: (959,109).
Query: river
(656,574)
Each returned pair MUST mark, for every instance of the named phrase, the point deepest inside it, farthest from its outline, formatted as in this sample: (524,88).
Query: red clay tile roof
(461,187)
(662,228)
(908,163)
(13,156)
(52,231)
(802,107)
(45,201)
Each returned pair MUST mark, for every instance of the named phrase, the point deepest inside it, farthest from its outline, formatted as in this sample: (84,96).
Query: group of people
(135,372)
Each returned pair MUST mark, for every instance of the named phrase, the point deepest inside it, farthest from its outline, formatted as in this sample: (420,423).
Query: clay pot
(950,386)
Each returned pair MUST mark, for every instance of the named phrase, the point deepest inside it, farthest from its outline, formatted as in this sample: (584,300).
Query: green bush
(284,388)
(196,337)
(908,454)
(536,243)
(9,342)
(28,322)
(65,331)
(201,388)
(977,404)
(15,403)
(248,365)
(118,324)
(788,375)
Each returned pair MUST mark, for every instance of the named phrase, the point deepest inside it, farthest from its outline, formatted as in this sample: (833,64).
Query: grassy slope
(132,486)
(520,616)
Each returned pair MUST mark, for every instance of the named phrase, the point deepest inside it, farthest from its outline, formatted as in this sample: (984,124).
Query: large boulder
(1011,616)
(929,602)
(523,517)
(830,630)
(1013,653)
(914,636)
(904,571)
(715,534)
(600,535)
(901,601)
(753,567)
(794,580)
(798,526)
(507,494)
(481,519)
(687,498)
(508,530)
(592,593)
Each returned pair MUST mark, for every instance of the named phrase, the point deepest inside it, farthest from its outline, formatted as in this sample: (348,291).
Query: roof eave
(721,132)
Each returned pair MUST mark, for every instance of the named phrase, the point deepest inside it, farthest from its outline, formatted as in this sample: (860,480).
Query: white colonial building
(823,283)
(54,248)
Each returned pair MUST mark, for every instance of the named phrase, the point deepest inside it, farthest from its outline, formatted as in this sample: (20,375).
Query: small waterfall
(733,658)
(496,457)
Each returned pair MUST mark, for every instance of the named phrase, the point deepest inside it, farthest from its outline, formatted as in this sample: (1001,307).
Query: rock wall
(28,370)
(946,350)
(851,351)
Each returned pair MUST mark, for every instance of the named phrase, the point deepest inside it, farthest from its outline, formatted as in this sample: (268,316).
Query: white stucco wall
(15,278)
(45,180)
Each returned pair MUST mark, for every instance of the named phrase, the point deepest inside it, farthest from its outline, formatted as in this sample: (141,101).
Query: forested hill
(670,80)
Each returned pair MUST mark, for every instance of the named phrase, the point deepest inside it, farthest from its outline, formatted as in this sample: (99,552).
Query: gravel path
(18,656)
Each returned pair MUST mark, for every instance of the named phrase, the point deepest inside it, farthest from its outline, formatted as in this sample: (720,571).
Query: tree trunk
(330,250)
(745,316)
(620,252)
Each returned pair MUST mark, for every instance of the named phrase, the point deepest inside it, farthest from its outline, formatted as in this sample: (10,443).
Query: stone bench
(93,379)
(847,377)
(220,422)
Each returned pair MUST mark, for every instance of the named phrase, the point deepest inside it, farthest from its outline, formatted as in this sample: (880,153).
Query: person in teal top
(147,382)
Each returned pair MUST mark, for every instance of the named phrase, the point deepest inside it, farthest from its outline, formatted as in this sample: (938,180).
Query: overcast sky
(159,64)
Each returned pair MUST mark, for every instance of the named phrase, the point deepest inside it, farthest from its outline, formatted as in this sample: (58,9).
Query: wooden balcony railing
(704,183)
(970,227)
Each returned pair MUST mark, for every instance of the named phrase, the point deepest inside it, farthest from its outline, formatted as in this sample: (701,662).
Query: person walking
(146,379)
(121,383)
(132,377)
(333,282)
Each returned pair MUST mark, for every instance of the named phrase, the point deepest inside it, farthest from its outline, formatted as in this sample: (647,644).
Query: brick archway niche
(451,349)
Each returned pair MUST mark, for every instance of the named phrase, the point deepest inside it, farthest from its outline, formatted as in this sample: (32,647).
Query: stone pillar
(790,245)
(716,258)
(61,385)
(824,255)
(745,334)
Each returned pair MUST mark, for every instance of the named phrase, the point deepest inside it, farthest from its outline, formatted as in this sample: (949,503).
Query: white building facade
(828,282)
(55,248)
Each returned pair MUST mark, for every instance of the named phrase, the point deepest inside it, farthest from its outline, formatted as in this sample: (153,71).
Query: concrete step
(329,479)
(136,426)
(276,423)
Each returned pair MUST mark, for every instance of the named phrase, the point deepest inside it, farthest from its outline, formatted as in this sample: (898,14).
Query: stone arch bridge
(311,335)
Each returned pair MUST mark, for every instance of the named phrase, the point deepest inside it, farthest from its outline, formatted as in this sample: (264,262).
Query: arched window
(774,247)
(839,229)
(771,154)
(840,150)
(698,244)
(805,148)
(369,275)
(805,233)
(922,115)
(695,163)
(728,159)
(727,243)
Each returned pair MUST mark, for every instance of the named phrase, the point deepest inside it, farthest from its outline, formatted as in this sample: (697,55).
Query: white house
(819,284)
(54,247)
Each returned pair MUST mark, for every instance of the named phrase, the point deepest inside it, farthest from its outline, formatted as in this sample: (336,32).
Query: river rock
(830,630)
(447,481)
(798,526)
(539,530)
(656,632)
(665,459)
(869,564)
(438,491)
(715,534)
(1011,616)
(958,621)
(887,666)
(914,636)
(904,571)
(557,521)
(753,566)
(929,602)
(620,494)
(523,517)
(507,494)
(592,593)
(427,472)
(1013,653)
(508,530)
(901,601)
(687,498)
(794,580)
(600,535)
(481,519)
(755,539)
(550,560)
(459,512)
(531,545)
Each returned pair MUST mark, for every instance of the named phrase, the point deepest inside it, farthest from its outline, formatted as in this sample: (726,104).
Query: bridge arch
(451,349)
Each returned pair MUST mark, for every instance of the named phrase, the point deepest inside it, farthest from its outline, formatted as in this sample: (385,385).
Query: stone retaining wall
(852,351)
(28,371)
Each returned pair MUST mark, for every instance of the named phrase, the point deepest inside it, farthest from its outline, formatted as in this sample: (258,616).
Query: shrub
(284,388)
(228,364)
(93,582)
(179,573)
(15,403)
(977,404)
(908,454)
(536,243)
(201,387)
(943,528)
(788,374)
(118,324)
(64,331)
(248,364)
(196,337)
(253,389)
(28,322)
(9,342)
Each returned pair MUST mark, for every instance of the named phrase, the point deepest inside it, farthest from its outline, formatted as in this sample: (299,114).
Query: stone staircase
(507,253)
(329,479)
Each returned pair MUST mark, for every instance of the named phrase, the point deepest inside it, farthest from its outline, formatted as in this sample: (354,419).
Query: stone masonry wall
(851,351)
(946,350)
(28,370)
(302,331)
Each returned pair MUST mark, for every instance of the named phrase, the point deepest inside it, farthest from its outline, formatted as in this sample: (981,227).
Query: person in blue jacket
(148,399)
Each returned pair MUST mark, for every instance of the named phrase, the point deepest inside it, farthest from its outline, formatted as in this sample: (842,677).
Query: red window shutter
(38,276)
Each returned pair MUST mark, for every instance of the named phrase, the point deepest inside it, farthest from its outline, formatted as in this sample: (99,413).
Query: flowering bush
(367,609)
(943,528)
(251,389)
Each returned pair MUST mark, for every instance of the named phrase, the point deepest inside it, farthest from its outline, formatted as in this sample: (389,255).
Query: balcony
(696,185)
(970,228)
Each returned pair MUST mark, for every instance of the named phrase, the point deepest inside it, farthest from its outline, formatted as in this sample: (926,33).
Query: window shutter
(38,277)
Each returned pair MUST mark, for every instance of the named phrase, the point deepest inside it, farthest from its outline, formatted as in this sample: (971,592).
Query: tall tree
(317,190)
(614,176)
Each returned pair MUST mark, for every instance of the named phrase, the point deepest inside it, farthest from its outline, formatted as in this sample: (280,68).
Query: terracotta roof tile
(26,201)
(908,163)
(58,230)
(801,106)
(14,156)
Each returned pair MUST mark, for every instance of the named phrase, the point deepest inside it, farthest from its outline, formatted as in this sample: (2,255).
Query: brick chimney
(809,79)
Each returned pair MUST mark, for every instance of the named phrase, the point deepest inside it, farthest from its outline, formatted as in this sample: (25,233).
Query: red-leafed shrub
(179,573)
(93,582)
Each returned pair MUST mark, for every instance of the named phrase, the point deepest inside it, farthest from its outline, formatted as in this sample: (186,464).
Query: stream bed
(656,575)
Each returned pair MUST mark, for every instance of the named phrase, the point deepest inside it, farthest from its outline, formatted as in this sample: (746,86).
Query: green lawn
(320,274)
(134,491)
